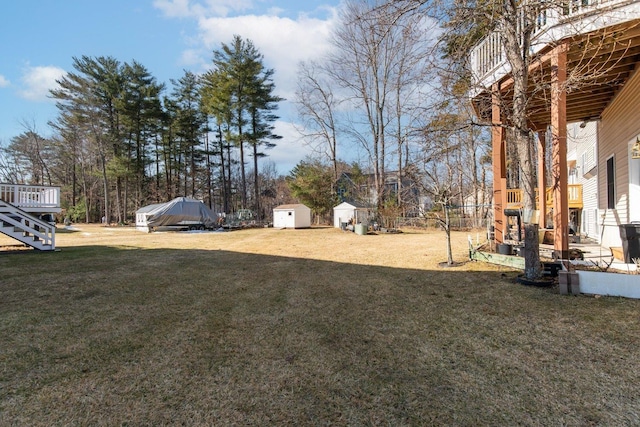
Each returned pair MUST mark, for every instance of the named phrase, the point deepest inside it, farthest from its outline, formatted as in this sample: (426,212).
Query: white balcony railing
(31,197)
(488,62)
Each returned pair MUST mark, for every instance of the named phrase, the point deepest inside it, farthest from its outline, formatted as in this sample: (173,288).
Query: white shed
(291,216)
(346,211)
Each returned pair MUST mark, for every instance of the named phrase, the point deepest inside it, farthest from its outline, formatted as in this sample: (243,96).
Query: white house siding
(582,147)
(620,123)
(634,184)
(590,217)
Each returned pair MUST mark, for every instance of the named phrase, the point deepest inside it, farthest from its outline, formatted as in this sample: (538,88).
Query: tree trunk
(447,229)
(517,55)
(256,190)
(532,268)
(105,186)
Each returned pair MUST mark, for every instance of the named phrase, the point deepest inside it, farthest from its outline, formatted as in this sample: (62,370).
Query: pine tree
(238,93)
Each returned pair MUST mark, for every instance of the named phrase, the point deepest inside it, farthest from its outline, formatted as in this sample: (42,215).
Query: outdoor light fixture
(635,149)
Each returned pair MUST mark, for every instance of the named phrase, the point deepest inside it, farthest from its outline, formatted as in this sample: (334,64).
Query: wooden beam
(542,181)
(499,162)
(559,152)
(494,258)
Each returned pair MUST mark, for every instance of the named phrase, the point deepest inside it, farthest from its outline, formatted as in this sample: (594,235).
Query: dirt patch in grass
(301,327)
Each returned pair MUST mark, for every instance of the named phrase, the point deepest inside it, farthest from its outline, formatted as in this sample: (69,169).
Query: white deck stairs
(26,228)
(21,209)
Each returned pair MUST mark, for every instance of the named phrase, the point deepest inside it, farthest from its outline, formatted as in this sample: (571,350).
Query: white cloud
(3,81)
(289,150)
(174,8)
(188,8)
(37,81)
(284,42)
(192,58)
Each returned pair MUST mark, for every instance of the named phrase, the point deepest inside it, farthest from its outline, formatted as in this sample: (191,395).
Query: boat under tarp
(183,212)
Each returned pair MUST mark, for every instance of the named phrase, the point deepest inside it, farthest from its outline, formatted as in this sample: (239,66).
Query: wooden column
(499,163)
(542,181)
(559,152)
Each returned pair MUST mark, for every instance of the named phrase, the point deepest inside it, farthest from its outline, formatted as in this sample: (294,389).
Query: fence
(455,222)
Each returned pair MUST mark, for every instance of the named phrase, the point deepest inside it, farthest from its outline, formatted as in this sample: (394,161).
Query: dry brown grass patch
(301,327)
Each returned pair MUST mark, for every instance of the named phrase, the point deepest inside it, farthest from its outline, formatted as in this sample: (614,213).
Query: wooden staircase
(26,228)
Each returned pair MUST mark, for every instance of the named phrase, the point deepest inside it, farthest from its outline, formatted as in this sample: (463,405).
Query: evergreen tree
(88,98)
(140,109)
(238,93)
(311,182)
(261,107)
(190,125)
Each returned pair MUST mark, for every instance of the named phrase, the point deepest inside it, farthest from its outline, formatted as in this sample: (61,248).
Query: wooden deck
(514,197)
(36,199)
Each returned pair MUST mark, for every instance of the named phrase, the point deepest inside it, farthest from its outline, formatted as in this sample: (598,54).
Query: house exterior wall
(582,143)
(620,124)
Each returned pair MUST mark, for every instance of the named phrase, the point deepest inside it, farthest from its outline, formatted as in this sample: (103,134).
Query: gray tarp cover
(178,210)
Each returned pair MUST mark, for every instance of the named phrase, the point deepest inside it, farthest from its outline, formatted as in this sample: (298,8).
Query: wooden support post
(542,181)
(499,167)
(559,152)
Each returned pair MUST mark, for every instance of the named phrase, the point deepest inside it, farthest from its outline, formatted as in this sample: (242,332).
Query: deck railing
(488,62)
(31,196)
(574,195)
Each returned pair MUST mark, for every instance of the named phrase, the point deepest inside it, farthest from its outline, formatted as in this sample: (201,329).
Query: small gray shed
(291,216)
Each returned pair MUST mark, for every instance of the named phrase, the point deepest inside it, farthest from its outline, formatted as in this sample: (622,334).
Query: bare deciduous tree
(369,89)
(318,108)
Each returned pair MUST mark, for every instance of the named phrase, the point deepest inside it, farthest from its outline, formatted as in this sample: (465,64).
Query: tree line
(384,96)
(121,141)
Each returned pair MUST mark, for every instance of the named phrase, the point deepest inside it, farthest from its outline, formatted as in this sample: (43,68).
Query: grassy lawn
(301,327)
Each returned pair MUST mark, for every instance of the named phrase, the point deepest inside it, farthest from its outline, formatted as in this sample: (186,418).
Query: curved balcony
(487,60)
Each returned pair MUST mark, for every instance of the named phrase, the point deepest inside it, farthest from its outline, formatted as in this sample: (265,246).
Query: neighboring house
(292,216)
(365,192)
(582,159)
(477,205)
(612,29)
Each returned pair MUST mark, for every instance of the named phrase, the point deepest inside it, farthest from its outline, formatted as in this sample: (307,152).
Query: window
(611,184)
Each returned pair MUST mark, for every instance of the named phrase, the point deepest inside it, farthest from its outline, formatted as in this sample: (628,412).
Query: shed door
(279,219)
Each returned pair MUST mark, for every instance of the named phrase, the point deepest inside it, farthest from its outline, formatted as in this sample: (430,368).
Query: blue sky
(39,38)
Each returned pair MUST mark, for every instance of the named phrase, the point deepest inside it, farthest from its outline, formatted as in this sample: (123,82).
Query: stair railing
(28,223)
